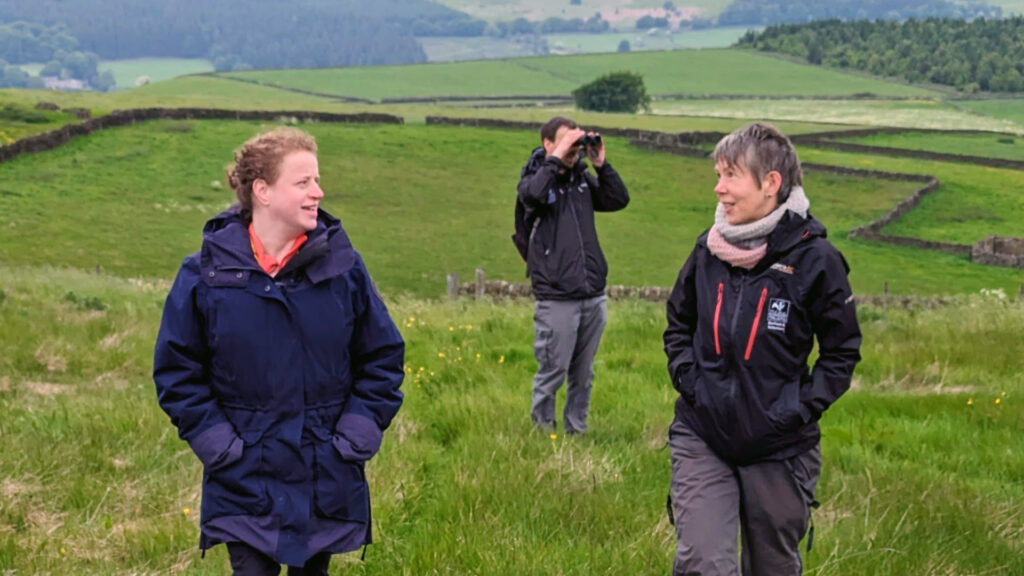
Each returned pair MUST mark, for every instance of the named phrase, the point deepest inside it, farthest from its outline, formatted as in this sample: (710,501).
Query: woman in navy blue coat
(279,364)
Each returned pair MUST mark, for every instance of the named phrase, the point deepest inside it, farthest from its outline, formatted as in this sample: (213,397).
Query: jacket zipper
(579,235)
(718,314)
(757,322)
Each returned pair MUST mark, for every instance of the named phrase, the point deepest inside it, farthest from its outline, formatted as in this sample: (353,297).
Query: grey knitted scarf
(756,233)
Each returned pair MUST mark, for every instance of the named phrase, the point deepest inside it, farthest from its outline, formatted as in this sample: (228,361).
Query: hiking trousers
(767,503)
(568,333)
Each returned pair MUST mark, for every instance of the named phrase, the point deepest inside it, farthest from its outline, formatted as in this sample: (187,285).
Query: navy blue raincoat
(282,387)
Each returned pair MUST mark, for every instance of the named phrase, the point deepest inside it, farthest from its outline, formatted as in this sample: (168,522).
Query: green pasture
(126,72)
(972,202)
(1003,146)
(922,460)
(621,15)
(698,72)
(420,202)
(921,113)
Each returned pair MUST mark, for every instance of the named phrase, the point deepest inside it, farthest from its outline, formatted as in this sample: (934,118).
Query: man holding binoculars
(557,238)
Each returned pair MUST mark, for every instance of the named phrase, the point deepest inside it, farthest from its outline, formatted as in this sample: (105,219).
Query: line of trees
(747,12)
(977,55)
(521,26)
(25,42)
(247,33)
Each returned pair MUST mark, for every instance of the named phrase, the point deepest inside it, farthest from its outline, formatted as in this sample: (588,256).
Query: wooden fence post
(453,286)
(480,287)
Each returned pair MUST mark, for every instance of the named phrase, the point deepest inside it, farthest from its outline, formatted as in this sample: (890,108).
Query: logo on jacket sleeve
(778,314)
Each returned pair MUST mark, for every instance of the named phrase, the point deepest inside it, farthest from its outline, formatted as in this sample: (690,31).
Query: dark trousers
(246,561)
(767,503)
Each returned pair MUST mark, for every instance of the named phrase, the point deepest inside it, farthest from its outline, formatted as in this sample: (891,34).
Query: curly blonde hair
(260,158)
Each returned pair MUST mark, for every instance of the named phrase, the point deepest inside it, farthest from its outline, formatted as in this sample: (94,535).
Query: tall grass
(921,465)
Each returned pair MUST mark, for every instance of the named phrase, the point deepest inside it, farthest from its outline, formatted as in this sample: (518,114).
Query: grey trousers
(567,336)
(768,504)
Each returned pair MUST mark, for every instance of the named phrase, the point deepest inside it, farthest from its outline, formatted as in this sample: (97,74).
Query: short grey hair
(760,148)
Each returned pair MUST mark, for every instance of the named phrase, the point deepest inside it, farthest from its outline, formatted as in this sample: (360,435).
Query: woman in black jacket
(756,291)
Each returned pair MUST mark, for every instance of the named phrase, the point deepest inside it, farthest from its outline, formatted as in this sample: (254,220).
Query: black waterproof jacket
(738,342)
(564,259)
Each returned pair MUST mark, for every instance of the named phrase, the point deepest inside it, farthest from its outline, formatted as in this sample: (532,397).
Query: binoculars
(589,141)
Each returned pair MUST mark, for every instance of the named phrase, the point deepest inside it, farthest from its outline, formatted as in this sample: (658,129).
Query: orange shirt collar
(268,263)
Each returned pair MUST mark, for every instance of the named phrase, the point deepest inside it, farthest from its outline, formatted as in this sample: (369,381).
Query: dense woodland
(977,51)
(742,12)
(978,55)
(242,33)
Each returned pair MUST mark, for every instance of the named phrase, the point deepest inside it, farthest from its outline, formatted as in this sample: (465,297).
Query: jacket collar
(791,231)
(327,253)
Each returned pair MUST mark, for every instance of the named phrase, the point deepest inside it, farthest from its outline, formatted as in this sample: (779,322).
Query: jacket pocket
(542,346)
(805,469)
(238,489)
(785,414)
(341,490)
(685,383)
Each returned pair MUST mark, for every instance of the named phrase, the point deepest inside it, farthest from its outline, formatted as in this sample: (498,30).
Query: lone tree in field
(614,92)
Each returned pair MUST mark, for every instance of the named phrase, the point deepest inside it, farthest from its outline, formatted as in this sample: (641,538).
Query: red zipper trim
(757,322)
(718,314)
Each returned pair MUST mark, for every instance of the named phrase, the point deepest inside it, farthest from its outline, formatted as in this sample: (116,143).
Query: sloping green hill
(697,72)
(420,202)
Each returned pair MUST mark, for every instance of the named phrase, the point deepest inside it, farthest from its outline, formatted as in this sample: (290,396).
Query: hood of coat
(327,253)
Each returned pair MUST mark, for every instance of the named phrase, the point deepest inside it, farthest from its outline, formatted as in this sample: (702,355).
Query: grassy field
(213,92)
(681,71)
(640,40)
(153,183)
(1007,109)
(622,14)
(1009,6)
(987,145)
(921,474)
(126,72)
(923,459)
(453,49)
(18,120)
(932,114)
(972,203)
